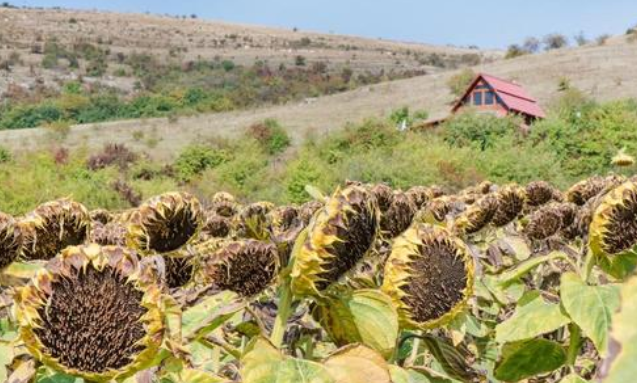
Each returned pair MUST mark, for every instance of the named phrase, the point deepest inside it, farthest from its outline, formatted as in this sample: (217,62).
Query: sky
(485,23)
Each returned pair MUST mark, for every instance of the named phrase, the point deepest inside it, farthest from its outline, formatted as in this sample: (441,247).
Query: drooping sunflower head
(540,192)
(245,267)
(477,216)
(622,159)
(384,195)
(53,226)
(101,216)
(224,204)
(308,209)
(436,191)
(165,223)
(10,240)
(252,221)
(179,267)
(510,204)
(88,313)
(440,207)
(613,229)
(110,234)
(399,216)
(283,218)
(429,276)
(216,226)
(544,223)
(584,190)
(341,234)
(420,195)
(485,187)
(567,211)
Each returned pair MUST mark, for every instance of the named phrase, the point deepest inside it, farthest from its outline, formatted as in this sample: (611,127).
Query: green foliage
(481,131)
(5,155)
(195,159)
(271,135)
(459,82)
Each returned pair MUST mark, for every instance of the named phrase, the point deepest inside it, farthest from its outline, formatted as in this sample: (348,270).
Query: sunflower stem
(283,313)
(588,266)
(574,344)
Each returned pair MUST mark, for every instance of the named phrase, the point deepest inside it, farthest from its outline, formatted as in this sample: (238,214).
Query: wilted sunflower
(252,221)
(440,207)
(420,195)
(285,225)
(613,229)
(485,187)
(429,276)
(622,159)
(384,195)
(87,313)
(399,216)
(436,191)
(180,267)
(510,204)
(52,227)
(586,189)
(544,223)
(224,204)
(246,267)
(110,234)
(307,211)
(477,216)
(338,237)
(10,240)
(101,215)
(165,223)
(541,192)
(216,226)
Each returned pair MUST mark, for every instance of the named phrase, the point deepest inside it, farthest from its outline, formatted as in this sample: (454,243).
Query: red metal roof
(513,96)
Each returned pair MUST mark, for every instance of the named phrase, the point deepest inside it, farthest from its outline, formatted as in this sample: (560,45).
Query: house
(489,94)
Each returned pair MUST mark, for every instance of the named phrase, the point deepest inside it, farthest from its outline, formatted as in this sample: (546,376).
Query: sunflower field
(494,283)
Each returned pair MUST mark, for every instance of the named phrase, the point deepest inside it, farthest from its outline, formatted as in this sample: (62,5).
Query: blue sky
(486,23)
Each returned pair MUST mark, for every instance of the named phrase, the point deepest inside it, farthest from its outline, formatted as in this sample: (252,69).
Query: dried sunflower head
(399,216)
(216,226)
(420,195)
(613,229)
(440,207)
(110,234)
(429,276)
(307,211)
(338,238)
(622,159)
(223,197)
(477,216)
(10,240)
(384,195)
(436,191)
(252,221)
(224,204)
(539,193)
(510,204)
(88,313)
(245,267)
(101,215)
(485,187)
(165,223)
(584,190)
(179,267)
(52,227)
(544,223)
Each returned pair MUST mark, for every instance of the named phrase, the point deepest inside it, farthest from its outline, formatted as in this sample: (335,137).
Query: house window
(489,98)
(477,98)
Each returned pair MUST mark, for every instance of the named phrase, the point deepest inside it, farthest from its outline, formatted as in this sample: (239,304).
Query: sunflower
(477,216)
(541,192)
(613,229)
(180,267)
(252,221)
(224,204)
(88,314)
(10,240)
(399,215)
(429,276)
(245,267)
(101,216)
(216,226)
(384,195)
(544,223)
(510,204)
(112,233)
(584,190)
(338,238)
(440,207)
(52,227)
(165,223)
(420,195)
(307,211)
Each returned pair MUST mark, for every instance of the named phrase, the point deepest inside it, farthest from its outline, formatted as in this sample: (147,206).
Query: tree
(581,39)
(514,51)
(555,41)
(459,82)
(531,45)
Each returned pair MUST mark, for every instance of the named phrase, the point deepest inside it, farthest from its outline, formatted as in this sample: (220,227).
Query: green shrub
(195,159)
(459,82)
(5,155)
(478,130)
(271,136)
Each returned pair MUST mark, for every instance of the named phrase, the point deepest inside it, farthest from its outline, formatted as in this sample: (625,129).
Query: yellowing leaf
(590,307)
(402,375)
(357,364)
(526,359)
(364,316)
(532,317)
(209,314)
(573,379)
(623,368)
(263,363)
